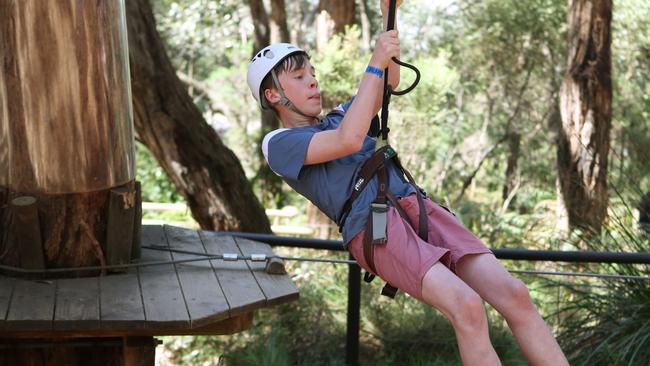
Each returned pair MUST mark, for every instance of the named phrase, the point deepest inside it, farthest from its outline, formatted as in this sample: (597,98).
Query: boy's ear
(272,96)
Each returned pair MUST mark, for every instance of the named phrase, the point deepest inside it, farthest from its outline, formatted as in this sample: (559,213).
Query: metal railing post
(354,305)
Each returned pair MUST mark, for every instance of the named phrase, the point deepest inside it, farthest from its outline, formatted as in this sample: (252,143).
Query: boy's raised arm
(348,137)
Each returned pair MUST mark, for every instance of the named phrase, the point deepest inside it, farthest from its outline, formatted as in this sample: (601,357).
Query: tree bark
(205,172)
(66,126)
(514,144)
(365,24)
(262,29)
(279,28)
(586,110)
(269,183)
(333,16)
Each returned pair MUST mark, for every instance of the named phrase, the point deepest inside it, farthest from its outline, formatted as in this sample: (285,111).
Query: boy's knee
(468,312)
(518,293)
(520,305)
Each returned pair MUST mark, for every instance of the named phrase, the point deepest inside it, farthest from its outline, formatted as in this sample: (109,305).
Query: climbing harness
(375,233)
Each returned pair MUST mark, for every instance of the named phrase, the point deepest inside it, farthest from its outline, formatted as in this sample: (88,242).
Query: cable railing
(354,271)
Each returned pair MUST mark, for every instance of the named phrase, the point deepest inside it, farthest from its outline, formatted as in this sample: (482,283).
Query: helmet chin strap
(285,101)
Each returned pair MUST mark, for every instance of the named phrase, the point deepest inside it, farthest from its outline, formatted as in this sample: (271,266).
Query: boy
(320,158)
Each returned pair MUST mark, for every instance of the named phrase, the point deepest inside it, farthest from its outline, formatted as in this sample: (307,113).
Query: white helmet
(263,62)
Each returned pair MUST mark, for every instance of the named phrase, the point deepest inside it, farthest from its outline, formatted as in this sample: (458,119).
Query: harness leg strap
(368,249)
(389,290)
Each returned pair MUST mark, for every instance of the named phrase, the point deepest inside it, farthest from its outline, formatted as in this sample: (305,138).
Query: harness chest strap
(367,171)
(376,226)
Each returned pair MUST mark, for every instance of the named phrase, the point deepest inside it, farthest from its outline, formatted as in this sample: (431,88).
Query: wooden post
(119,232)
(139,351)
(124,351)
(26,232)
(4,218)
(137,223)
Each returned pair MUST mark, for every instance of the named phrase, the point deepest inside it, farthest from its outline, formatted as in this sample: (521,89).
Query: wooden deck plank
(6,289)
(237,282)
(32,305)
(164,305)
(77,304)
(277,288)
(205,300)
(228,326)
(121,302)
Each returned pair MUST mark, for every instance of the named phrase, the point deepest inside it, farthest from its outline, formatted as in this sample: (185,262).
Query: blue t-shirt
(328,185)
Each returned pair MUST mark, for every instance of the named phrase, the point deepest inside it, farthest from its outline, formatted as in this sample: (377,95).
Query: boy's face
(301,87)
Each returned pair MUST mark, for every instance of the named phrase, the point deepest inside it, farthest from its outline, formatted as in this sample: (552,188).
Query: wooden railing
(280,219)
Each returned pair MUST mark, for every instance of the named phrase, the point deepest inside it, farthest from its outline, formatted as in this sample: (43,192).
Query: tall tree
(270,183)
(365,24)
(333,16)
(279,28)
(205,172)
(586,110)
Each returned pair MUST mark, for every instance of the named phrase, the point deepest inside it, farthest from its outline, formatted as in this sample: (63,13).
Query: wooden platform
(206,297)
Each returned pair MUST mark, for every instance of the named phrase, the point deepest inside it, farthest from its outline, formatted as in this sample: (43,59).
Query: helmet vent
(268,54)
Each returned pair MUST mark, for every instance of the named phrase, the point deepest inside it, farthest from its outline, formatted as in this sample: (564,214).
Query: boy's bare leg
(464,308)
(510,297)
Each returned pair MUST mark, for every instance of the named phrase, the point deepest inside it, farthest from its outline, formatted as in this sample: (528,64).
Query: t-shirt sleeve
(343,107)
(285,151)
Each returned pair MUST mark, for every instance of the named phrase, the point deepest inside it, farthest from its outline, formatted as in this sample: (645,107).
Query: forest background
(488,132)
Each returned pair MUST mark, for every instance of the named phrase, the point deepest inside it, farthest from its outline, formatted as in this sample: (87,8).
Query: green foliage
(489,68)
(312,330)
(339,66)
(156,186)
(630,156)
(608,322)
(424,123)
(199,31)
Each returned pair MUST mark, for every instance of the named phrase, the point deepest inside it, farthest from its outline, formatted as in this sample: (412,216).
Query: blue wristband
(376,71)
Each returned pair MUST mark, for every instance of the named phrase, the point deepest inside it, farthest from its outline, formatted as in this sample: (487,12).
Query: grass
(608,322)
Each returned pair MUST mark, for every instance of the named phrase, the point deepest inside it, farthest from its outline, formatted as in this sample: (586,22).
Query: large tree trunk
(585,105)
(333,16)
(205,171)
(279,28)
(67,194)
(66,133)
(270,183)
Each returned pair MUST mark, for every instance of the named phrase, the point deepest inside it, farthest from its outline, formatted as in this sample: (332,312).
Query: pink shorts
(405,258)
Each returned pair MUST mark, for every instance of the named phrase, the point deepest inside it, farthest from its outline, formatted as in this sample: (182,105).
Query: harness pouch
(379,224)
